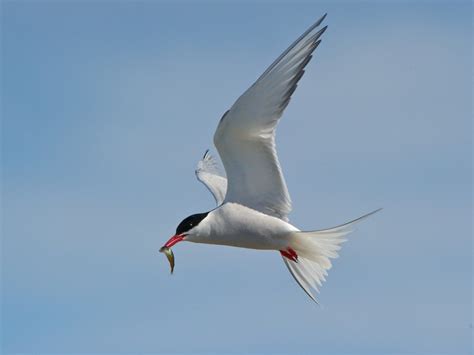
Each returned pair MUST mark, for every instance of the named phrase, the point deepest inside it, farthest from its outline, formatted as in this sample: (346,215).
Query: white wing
(208,173)
(245,136)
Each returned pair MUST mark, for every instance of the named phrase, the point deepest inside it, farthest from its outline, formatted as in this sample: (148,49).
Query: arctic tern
(253,202)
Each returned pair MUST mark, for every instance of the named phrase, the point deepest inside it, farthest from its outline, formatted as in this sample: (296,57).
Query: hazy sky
(107,107)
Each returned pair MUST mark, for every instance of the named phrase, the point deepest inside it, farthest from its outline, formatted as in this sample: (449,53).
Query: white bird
(253,202)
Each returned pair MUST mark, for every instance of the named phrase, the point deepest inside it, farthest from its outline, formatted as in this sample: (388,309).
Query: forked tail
(309,253)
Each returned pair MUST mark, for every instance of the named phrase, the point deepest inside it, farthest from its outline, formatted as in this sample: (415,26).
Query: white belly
(236,225)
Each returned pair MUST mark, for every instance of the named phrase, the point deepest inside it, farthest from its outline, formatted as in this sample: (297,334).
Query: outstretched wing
(207,172)
(245,136)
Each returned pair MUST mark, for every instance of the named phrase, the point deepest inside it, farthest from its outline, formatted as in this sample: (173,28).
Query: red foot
(289,254)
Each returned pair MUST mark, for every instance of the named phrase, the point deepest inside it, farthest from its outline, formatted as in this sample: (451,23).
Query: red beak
(173,240)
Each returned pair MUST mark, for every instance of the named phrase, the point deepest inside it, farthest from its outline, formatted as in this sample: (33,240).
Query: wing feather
(207,172)
(245,136)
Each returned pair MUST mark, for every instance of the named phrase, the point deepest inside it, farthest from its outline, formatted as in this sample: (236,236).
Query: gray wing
(245,136)
(207,172)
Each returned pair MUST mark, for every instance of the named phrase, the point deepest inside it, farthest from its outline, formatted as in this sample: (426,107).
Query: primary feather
(245,136)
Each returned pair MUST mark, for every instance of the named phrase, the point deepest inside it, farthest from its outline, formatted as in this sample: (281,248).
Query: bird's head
(186,230)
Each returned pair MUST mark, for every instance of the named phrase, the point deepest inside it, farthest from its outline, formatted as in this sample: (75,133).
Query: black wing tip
(206,153)
(316,37)
(320,20)
(314,27)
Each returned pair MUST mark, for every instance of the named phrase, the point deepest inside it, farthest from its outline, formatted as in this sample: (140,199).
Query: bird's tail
(313,251)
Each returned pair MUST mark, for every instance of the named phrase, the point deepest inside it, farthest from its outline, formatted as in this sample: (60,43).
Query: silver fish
(169,254)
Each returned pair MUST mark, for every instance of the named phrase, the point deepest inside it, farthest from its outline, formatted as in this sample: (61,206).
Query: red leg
(290,254)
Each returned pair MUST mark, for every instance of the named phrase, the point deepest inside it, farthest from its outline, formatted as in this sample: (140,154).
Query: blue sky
(107,106)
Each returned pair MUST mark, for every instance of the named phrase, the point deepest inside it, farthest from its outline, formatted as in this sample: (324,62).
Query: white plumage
(207,172)
(253,201)
(245,137)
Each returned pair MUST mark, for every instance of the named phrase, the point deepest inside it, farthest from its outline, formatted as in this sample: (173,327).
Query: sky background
(107,107)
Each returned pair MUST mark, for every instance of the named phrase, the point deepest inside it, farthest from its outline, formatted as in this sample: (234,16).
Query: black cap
(190,222)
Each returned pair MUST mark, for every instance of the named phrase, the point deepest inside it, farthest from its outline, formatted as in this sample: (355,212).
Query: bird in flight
(252,199)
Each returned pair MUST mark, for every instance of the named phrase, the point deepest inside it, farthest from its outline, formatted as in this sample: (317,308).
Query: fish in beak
(166,249)
(169,255)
